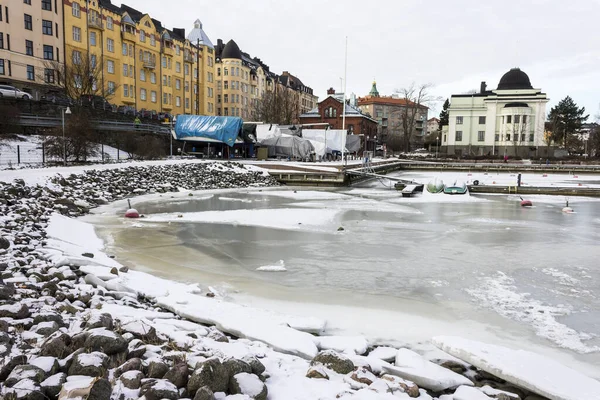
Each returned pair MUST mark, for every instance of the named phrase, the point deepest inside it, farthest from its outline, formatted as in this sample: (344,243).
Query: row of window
(47,26)
(505,119)
(235,112)
(235,71)
(48,50)
(49,74)
(235,98)
(481,137)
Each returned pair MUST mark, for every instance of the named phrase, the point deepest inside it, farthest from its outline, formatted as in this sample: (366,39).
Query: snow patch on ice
(499,294)
(273,268)
(278,218)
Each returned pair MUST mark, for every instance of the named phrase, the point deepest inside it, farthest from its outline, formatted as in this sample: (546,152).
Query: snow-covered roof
(198,34)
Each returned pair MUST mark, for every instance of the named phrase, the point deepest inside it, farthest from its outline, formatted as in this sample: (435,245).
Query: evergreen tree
(566,119)
(444,117)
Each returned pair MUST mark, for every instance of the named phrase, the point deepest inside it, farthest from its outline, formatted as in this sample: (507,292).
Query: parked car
(151,114)
(94,101)
(127,110)
(11,91)
(57,97)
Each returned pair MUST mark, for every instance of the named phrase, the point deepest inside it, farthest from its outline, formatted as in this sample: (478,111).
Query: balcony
(167,51)
(188,58)
(125,35)
(95,22)
(149,64)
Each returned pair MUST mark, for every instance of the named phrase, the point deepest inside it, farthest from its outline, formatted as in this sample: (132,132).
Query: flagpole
(344,102)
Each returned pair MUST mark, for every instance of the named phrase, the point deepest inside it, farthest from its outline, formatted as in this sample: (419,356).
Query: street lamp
(438,145)
(68,112)
(374,145)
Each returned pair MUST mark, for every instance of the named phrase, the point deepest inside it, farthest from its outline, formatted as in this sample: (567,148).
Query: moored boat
(435,186)
(457,187)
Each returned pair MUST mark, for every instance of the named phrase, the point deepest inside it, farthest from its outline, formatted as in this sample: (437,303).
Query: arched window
(327,113)
(334,113)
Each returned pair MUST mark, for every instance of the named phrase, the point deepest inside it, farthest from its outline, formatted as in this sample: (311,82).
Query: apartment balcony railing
(125,35)
(95,22)
(167,51)
(149,64)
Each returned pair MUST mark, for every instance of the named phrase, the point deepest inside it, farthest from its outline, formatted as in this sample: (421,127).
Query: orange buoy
(526,203)
(545,176)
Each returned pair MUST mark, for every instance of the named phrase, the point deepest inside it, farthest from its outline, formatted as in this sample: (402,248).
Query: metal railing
(103,125)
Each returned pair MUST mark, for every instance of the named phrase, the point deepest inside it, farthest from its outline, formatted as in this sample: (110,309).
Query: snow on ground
(303,194)
(31,152)
(278,218)
(523,368)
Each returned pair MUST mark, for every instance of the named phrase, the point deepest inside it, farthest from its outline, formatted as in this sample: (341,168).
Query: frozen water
(473,258)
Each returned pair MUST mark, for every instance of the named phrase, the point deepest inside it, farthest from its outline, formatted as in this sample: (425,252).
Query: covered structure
(209,136)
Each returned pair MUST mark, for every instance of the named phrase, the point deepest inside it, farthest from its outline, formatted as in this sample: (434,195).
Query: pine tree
(566,119)
(444,117)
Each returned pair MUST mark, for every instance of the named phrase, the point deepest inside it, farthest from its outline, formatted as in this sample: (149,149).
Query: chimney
(331,91)
(179,31)
(483,87)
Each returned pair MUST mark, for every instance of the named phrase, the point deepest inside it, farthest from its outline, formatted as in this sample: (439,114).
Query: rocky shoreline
(57,341)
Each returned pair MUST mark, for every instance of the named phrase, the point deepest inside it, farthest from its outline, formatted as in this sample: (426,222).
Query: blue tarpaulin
(194,127)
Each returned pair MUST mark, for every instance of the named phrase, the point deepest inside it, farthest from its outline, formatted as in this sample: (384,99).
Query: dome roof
(231,50)
(514,79)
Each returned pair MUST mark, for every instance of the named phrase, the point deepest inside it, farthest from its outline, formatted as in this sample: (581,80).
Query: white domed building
(506,121)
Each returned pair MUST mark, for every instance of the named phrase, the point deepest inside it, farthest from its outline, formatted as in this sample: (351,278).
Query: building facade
(330,111)
(144,65)
(506,121)
(433,125)
(389,111)
(31,42)
(242,81)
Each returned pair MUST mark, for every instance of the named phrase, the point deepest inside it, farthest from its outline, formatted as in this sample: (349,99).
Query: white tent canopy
(331,139)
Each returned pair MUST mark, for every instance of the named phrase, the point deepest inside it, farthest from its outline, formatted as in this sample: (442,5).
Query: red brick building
(330,111)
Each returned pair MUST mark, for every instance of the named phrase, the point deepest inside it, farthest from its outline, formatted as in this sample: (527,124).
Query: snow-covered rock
(410,365)
(523,368)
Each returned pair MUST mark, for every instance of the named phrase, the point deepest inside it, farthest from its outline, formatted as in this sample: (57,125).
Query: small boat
(457,187)
(410,190)
(435,186)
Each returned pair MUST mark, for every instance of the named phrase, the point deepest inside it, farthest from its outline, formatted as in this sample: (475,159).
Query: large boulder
(90,364)
(158,389)
(10,364)
(204,393)
(248,384)
(257,367)
(7,292)
(334,361)
(132,379)
(52,385)
(235,366)
(15,311)
(26,389)
(157,369)
(57,345)
(103,320)
(105,341)
(134,364)
(20,372)
(178,375)
(101,390)
(210,373)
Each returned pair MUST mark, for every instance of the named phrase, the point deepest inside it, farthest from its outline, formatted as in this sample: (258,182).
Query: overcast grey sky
(452,44)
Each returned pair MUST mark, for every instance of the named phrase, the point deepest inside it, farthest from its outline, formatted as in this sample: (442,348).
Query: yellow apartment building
(31,40)
(144,65)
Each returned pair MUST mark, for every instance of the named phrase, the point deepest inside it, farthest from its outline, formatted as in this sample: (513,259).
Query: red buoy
(526,203)
(132,213)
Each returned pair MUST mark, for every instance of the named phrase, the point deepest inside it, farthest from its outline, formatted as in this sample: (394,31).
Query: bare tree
(80,75)
(79,141)
(417,98)
(517,131)
(277,107)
